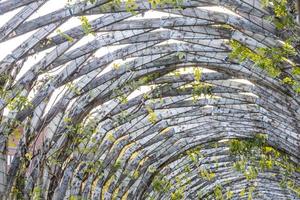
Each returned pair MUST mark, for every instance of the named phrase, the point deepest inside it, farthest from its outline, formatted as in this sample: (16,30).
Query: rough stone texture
(146,53)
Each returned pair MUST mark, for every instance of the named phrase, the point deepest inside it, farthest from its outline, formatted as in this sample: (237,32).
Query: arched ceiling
(146,101)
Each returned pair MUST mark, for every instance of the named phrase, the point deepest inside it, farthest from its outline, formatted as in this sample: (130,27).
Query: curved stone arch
(97,144)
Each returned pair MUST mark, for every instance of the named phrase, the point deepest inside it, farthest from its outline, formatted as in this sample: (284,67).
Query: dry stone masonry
(133,100)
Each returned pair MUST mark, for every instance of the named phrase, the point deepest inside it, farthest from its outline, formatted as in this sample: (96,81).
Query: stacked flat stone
(127,151)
